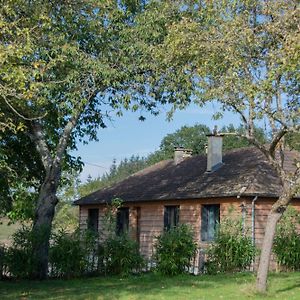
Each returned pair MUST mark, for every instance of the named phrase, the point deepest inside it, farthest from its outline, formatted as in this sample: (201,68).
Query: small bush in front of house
(120,255)
(174,250)
(20,259)
(232,250)
(73,254)
(287,240)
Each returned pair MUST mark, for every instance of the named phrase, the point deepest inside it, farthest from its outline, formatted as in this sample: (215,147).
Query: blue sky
(127,135)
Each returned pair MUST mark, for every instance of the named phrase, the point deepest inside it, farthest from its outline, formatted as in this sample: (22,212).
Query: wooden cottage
(197,190)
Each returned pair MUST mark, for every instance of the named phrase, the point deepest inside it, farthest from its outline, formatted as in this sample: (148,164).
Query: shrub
(67,255)
(287,240)
(232,250)
(120,255)
(174,250)
(20,259)
(73,254)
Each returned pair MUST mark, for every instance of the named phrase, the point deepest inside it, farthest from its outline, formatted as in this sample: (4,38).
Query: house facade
(196,190)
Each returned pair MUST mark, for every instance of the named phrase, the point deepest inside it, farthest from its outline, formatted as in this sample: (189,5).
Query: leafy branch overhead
(245,55)
(63,67)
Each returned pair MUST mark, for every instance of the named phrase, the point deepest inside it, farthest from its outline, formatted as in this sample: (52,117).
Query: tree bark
(47,200)
(42,227)
(265,257)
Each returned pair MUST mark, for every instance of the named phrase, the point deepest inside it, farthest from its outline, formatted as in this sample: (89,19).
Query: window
(171,216)
(122,220)
(93,219)
(210,217)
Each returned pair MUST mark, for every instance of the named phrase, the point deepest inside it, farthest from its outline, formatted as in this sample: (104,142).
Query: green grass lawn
(152,286)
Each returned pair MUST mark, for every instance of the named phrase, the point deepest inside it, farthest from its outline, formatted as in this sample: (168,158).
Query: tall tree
(63,66)
(245,55)
(194,138)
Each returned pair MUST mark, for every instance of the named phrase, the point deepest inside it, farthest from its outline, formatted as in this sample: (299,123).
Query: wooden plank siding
(146,219)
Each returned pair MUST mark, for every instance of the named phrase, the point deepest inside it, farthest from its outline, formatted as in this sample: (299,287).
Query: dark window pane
(204,223)
(171,216)
(210,218)
(93,219)
(122,225)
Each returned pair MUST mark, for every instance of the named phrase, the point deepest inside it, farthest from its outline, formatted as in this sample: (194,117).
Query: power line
(95,165)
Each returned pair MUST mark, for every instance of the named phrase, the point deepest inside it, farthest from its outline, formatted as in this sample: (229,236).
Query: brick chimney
(181,153)
(214,150)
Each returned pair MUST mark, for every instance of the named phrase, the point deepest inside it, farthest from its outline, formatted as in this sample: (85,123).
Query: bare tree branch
(17,112)
(276,139)
(63,141)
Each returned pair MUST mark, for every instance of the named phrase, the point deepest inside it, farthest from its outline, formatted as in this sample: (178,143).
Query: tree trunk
(42,227)
(265,257)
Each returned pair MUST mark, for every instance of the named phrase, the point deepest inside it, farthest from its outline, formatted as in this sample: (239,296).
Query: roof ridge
(149,168)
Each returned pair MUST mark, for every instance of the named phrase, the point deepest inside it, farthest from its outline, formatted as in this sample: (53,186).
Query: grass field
(6,231)
(153,286)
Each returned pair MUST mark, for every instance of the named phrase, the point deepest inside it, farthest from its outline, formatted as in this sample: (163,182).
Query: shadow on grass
(289,288)
(115,287)
(146,286)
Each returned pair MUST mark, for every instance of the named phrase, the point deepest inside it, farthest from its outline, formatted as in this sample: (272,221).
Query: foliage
(66,217)
(117,254)
(191,137)
(293,141)
(110,217)
(21,261)
(20,176)
(120,255)
(232,249)
(63,65)
(69,253)
(245,55)
(287,240)
(194,137)
(174,250)
(234,139)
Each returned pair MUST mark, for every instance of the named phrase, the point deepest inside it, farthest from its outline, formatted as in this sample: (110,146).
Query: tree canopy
(245,55)
(64,66)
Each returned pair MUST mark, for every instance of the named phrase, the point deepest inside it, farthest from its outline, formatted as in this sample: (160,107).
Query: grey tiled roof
(244,170)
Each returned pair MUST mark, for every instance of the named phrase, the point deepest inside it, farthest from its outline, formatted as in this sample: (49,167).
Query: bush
(232,250)
(174,250)
(120,255)
(68,255)
(287,240)
(20,259)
